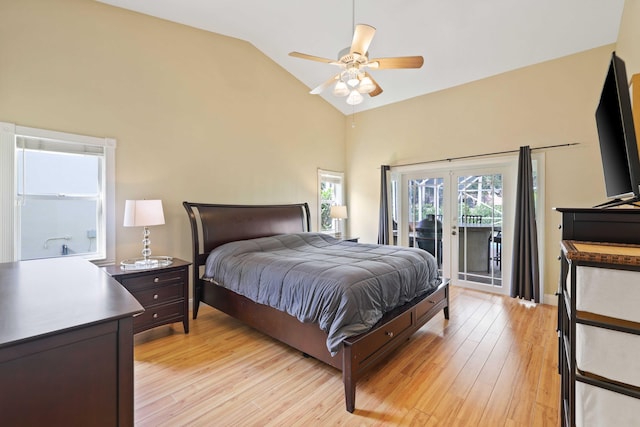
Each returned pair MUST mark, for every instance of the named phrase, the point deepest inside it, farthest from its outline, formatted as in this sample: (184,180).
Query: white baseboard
(550,299)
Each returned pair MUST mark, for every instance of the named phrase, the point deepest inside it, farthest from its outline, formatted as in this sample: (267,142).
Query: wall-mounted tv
(616,132)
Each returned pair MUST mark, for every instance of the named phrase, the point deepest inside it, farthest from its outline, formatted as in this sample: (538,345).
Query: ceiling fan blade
(317,90)
(362,39)
(310,57)
(378,90)
(397,62)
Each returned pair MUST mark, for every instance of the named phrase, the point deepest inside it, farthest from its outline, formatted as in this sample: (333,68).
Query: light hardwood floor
(494,363)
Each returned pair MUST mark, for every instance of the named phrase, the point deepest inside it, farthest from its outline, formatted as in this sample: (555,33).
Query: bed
(216,228)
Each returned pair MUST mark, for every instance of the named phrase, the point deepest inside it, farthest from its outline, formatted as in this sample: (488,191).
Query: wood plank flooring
(494,363)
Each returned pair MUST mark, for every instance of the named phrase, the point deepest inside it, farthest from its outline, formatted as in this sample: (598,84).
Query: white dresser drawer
(600,407)
(608,292)
(609,354)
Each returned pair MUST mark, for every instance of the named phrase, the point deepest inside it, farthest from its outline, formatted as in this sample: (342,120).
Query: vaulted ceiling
(461,40)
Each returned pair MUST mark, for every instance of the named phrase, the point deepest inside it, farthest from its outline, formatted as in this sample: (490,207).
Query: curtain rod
(485,155)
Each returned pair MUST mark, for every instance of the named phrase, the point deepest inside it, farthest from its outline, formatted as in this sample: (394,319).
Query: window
(62,198)
(330,193)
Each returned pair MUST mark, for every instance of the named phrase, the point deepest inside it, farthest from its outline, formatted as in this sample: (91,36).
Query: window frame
(9,209)
(330,176)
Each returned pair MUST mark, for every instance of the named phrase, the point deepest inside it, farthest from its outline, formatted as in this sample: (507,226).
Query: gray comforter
(344,287)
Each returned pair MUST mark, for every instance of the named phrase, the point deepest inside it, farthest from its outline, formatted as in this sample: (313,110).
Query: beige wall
(628,45)
(546,104)
(628,49)
(197,116)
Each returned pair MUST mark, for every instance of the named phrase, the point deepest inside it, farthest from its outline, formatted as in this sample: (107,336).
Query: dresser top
(609,211)
(599,252)
(44,297)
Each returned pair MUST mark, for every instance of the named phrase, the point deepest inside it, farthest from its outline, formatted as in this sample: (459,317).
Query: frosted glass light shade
(341,89)
(354,98)
(366,85)
(143,213)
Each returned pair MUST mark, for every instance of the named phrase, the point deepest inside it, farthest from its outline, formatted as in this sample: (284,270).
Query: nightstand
(162,291)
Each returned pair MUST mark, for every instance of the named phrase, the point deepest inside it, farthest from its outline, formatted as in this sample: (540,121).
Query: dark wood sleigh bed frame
(213,225)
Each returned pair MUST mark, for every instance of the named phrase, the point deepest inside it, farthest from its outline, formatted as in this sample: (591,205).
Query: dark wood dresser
(66,345)
(598,239)
(600,225)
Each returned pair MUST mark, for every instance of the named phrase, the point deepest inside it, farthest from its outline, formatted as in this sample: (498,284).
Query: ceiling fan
(353,80)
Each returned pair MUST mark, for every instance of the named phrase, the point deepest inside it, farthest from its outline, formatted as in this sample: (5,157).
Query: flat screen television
(616,132)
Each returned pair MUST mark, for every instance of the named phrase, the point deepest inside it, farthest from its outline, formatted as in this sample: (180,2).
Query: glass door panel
(425,214)
(479,229)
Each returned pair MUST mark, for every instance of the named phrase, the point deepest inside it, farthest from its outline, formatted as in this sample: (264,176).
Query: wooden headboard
(213,225)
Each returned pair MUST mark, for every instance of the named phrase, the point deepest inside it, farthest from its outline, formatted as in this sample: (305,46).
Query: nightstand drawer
(158,315)
(160,278)
(159,295)
(162,291)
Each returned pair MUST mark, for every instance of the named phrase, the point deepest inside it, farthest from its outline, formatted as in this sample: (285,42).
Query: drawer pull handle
(389,334)
(155,315)
(156,280)
(431,302)
(155,296)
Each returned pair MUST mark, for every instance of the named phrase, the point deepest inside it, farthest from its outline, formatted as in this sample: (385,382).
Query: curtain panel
(383,226)
(525,274)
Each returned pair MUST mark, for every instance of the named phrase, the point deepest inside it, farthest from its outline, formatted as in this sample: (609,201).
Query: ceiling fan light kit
(353,80)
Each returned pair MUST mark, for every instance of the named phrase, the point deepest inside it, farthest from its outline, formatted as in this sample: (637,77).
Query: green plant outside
(326,197)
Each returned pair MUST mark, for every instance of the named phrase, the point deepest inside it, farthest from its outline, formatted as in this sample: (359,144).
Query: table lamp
(144,213)
(339,213)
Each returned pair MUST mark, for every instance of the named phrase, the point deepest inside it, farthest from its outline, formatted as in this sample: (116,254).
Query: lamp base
(146,263)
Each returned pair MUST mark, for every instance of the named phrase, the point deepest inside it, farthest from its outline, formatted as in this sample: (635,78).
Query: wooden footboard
(365,351)
(358,354)
(213,225)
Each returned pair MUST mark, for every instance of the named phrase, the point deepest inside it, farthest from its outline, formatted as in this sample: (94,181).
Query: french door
(477,229)
(458,215)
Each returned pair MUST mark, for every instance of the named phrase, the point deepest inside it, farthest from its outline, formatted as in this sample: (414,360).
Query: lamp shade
(338,212)
(354,98)
(143,213)
(341,89)
(366,85)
